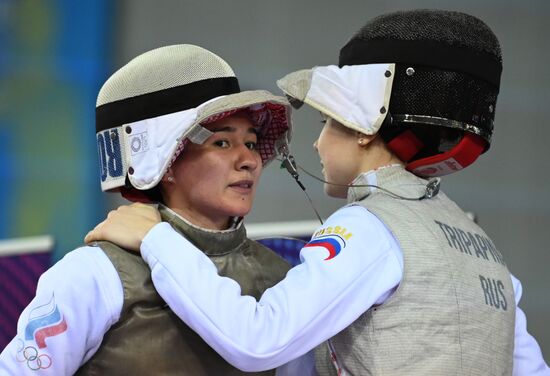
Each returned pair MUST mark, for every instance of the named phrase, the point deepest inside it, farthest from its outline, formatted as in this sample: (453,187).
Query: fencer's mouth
(242,184)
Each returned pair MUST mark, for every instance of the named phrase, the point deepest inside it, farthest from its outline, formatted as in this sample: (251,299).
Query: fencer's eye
(251,145)
(222,143)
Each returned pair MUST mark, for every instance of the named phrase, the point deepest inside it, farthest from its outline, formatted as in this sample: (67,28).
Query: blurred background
(55,55)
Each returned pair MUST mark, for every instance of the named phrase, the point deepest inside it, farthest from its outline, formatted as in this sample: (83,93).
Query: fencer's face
(337,148)
(217,180)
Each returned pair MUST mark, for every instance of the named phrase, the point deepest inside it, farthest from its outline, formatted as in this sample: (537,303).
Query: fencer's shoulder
(354,218)
(85,254)
(83,263)
(85,269)
(353,213)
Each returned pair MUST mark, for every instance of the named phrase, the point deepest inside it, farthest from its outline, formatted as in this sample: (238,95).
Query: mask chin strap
(463,154)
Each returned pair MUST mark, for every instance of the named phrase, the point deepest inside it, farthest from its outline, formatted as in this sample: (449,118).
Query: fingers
(126,226)
(135,210)
(95,234)
(90,237)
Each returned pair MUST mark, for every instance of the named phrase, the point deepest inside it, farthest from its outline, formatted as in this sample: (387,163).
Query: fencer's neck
(376,155)
(229,224)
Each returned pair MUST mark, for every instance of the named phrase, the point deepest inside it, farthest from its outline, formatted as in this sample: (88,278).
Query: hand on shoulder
(126,226)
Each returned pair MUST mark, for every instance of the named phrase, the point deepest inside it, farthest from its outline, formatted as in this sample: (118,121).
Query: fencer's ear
(364,139)
(168,177)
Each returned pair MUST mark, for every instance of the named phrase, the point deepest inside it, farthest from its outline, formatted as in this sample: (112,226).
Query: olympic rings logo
(34,360)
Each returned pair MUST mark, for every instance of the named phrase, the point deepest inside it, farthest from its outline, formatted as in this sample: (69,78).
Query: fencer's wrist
(155,235)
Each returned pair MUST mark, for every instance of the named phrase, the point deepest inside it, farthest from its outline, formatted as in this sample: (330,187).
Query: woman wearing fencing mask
(173,128)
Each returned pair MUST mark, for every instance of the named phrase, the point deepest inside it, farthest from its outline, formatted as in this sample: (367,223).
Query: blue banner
(54,56)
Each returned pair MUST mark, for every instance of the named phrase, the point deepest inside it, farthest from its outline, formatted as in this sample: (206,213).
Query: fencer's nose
(247,159)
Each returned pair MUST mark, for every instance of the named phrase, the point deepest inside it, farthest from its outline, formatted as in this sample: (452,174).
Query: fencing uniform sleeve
(303,366)
(351,261)
(528,358)
(76,302)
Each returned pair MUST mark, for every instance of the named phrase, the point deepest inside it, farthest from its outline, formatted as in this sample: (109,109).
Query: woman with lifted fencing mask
(399,281)
(172,128)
